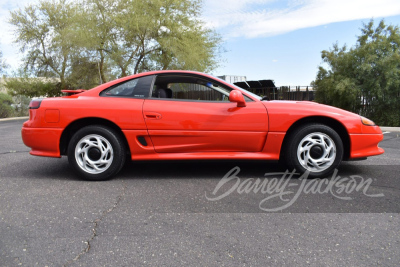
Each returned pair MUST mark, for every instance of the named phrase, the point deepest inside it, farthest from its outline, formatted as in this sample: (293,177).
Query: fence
(298,93)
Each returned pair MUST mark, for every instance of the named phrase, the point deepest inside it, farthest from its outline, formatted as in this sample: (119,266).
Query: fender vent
(142,141)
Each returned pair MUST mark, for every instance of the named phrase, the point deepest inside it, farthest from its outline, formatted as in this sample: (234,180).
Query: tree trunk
(123,72)
(101,67)
(138,63)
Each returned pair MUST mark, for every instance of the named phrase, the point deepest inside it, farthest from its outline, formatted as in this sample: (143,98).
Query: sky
(265,39)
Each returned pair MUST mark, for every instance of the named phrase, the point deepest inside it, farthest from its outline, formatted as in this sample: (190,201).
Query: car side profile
(184,115)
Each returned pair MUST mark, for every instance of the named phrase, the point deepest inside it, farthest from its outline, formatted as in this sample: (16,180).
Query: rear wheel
(316,148)
(96,152)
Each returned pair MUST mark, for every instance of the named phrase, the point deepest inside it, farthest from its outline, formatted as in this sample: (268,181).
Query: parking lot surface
(182,213)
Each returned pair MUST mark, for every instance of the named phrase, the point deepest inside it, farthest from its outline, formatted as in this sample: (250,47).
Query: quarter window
(137,88)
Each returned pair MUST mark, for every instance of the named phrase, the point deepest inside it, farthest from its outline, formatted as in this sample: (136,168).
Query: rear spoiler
(73,92)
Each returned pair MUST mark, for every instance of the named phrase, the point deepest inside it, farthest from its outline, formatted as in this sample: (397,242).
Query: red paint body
(178,129)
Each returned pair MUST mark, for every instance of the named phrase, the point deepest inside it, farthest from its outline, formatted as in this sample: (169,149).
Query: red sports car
(182,115)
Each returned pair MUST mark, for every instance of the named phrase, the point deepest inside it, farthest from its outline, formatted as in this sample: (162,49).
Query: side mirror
(237,96)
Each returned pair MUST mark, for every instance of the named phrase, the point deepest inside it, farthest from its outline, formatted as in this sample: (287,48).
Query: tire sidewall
(116,144)
(299,134)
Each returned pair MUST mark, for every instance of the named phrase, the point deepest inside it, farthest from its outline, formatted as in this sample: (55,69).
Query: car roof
(96,90)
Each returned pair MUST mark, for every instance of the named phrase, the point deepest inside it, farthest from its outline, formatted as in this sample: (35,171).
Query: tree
(21,105)
(33,87)
(366,78)
(87,42)
(6,109)
(179,34)
(143,35)
(84,73)
(46,33)
(97,29)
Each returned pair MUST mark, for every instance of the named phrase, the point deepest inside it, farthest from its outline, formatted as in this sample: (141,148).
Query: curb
(14,119)
(390,129)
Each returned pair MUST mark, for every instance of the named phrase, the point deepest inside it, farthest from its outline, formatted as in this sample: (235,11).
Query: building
(268,89)
(233,78)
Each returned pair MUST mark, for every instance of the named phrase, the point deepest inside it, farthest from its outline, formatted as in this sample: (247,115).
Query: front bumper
(365,145)
(44,142)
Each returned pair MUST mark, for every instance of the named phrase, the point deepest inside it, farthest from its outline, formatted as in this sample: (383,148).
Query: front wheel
(96,152)
(316,148)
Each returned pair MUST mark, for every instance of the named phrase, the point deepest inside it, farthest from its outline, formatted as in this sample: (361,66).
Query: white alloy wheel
(94,154)
(316,152)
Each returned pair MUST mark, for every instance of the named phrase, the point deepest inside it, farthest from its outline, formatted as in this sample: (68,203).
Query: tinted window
(190,88)
(139,87)
(193,91)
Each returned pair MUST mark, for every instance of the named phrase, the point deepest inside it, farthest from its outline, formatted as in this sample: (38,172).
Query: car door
(193,114)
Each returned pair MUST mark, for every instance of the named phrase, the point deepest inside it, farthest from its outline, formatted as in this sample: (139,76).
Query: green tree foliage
(6,109)
(87,42)
(84,73)
(143,35)
(33,87)
(21,105)
(366,78)
(45,32)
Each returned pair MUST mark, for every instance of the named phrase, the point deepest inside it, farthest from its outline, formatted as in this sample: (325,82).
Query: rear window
(137,88)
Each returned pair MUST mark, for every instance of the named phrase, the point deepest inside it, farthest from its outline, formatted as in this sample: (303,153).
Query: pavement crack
(96,223)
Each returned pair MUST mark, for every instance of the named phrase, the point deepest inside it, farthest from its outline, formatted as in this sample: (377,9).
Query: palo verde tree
(6,109)
(142,35)
(85,42)
(46,34)
(183,41)
(365,78)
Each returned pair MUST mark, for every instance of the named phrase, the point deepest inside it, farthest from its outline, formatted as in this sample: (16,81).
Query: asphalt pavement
(178,213)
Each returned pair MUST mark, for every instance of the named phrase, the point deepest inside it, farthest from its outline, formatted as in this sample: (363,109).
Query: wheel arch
(334,124)
(77,124)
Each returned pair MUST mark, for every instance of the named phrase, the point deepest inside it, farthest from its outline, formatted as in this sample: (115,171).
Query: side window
(192,91)
(187,87)
(138,88)
(184,87)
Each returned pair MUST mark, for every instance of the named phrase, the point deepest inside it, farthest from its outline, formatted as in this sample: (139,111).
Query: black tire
(316,148)
(103,155)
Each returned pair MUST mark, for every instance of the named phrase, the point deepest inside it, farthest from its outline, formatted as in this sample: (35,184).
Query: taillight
(35,103)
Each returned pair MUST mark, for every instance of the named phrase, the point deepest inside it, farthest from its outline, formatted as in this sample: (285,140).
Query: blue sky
(267,39)
(291,58)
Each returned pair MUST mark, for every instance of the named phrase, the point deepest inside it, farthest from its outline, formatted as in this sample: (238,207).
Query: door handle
(152,115)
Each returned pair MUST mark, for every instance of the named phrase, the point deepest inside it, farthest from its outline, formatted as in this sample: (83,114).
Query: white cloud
(228,6)
(252,18)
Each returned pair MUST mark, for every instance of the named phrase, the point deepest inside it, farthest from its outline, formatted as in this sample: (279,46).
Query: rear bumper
(365,145)
(44,142)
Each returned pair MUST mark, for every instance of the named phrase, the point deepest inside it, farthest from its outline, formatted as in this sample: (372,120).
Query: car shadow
(213,169)
(46,168)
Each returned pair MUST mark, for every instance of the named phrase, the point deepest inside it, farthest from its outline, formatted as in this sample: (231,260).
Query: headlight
(367,122)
